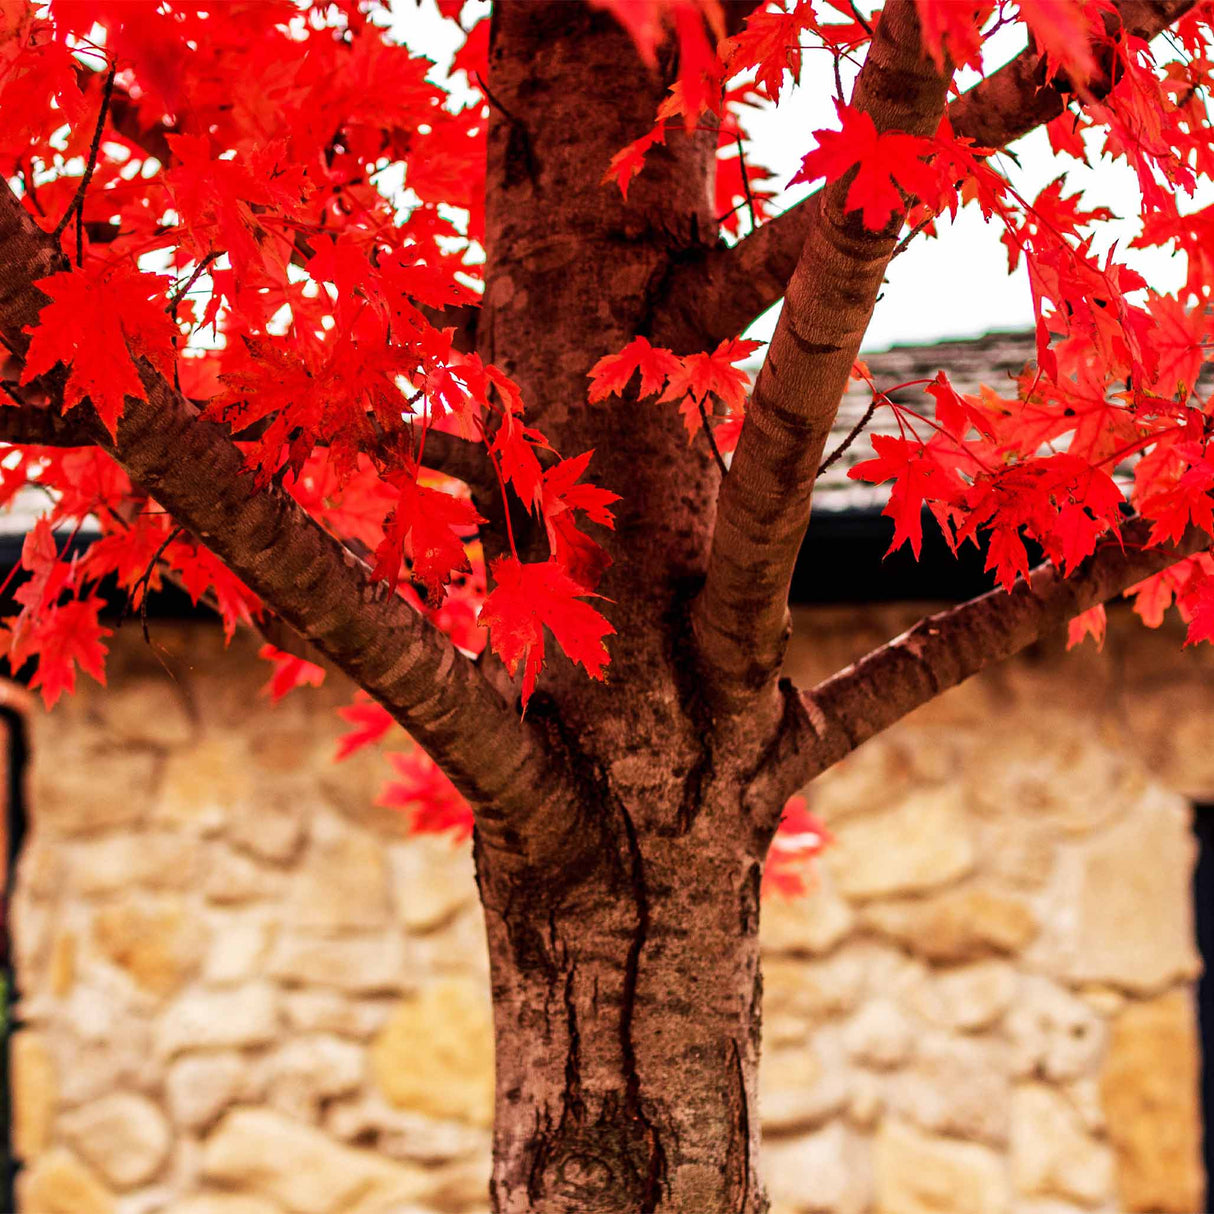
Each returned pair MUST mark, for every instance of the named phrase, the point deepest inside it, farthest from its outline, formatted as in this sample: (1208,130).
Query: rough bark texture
(621,828)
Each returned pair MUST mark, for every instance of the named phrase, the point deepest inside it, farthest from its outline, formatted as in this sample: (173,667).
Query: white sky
(955,286)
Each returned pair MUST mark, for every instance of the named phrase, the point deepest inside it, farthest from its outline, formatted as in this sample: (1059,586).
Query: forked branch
(718,294)
(831,720)
(321,590)
(740,618)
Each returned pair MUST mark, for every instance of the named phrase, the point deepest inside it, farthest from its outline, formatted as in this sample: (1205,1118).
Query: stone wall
(245,990)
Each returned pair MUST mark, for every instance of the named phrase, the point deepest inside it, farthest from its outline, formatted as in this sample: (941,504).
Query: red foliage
(250,165)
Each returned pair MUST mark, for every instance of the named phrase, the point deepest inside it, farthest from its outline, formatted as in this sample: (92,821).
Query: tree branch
(741,618)
(40,426)
(716,294)
(828,722)
(527,802)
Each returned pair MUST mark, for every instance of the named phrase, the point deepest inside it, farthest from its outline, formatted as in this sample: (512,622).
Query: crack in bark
(632,1078)
(741,1123)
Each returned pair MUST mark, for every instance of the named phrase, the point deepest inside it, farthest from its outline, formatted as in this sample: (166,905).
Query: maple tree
(440,378)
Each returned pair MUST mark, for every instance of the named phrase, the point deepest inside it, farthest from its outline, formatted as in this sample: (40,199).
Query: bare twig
(750,198)
(712,441)
(77,204)
(180,294)
(853,434)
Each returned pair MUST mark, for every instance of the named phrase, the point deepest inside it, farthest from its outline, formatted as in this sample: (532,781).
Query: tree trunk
(625,985)
(627,1033)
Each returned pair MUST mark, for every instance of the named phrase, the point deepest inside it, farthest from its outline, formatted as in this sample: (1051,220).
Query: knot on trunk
(611,1164)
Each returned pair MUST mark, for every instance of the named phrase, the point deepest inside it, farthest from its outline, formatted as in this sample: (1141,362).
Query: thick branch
(526,802)
(946,649)
(740,617)
(39,426)
(718,293)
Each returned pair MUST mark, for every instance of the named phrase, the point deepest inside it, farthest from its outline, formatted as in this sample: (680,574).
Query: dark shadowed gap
(1203,914)
(16,739)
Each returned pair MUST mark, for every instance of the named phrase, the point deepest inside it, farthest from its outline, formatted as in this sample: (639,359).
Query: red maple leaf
(529,598)
(610,375)
(433,803)
(917,473)
(370,720)
(289,672)
(888,164)
(798,839)
(100,319)
(67,637)
(429,522)
(1091,623)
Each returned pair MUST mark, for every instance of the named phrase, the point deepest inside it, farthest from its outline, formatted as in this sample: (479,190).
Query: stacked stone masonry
(246,989)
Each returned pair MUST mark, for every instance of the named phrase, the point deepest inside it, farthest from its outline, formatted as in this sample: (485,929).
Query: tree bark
(627,1030)
(625,989)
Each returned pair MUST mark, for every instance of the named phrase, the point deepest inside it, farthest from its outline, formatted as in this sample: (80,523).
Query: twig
(750,198)
(852,435)
(904,243)
(868,29)
(145,581)
(518,127)
(179,295)
(77,204)
(712,442)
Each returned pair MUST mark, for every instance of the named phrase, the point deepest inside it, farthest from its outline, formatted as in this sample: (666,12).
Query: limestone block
(283,750)
(157,941)
(363,964)
(809,925)
(921,843)
(435,1054)
(1052,1155)
(803,1086)
(59,1183)
(1149,1087)
(233,878)
(225,1203)
(1050,770)
(1084,1095)
(918,1173)
(402,1134)
(1053,1033)
(878,1035)
(829,1172)
(34,1090)
(797,994)
(273,828)
(460,1185)
(863,782)
(432,881)
(150,711)
(61,970)
(116,862)
(1122,910)
(80,789)
(41,866)
(89,1069)
(955,1085)
(306,1071)
(968,997)
(205,784)
(321,1011)
(239,944)
(867,1100)
(342,883)
(301,1168)
(1018,852)
(124,1136)
(243,1016)
(198,1087)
